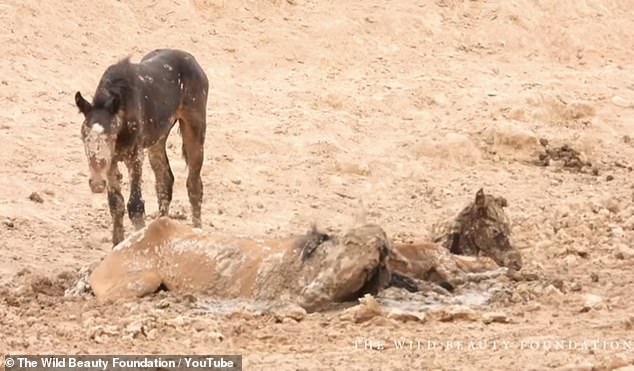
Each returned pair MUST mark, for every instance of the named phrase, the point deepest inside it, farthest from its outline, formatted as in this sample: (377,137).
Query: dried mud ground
(317,107)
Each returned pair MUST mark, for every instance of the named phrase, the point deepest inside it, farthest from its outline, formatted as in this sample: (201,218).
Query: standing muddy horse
(134,107)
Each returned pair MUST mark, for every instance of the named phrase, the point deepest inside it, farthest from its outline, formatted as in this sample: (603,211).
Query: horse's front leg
(136,205)
(116,203)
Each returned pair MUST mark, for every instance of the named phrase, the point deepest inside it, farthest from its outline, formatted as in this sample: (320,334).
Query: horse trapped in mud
(134,108)
(477,240)
(314,270)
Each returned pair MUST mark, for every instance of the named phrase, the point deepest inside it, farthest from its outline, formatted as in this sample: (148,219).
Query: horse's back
(179,61)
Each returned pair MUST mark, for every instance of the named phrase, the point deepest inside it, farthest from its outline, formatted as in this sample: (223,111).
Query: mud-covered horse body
(134,108)
(168,254)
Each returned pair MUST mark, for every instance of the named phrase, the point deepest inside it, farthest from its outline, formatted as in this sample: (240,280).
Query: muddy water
(406,301)
(227,307)
(473,296)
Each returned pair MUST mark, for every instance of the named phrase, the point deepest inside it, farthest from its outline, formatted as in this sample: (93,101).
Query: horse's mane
(117,80)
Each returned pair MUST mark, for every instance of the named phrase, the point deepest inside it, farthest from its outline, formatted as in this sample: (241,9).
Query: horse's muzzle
(97,186)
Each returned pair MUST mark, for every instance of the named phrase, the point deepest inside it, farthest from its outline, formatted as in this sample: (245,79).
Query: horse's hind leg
(164,178)
(193,127)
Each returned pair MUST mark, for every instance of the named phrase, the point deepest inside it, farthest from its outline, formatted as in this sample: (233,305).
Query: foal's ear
(112,104)
(83,105)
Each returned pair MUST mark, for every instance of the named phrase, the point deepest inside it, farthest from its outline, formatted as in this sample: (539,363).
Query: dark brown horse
(134,107)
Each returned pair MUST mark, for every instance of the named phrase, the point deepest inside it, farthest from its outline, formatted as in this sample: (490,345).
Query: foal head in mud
(484,229)
(99,135)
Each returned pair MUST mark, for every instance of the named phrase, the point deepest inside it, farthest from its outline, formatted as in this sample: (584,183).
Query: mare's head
(99,135)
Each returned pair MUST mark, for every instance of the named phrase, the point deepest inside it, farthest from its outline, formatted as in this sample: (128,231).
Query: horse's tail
(183,145)
(185,156)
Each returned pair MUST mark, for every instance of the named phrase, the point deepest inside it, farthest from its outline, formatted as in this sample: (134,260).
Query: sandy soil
(316,107)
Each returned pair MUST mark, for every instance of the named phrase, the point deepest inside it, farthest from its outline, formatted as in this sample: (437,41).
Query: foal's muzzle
(97,186)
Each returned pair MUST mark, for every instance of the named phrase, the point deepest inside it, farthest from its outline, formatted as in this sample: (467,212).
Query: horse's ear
(113,103)
(83,105)
(480,204)
(479,199)
(502,201)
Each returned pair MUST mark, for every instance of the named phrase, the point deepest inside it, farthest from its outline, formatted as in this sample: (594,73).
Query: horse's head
(99,135)
(343,268)
(487,227)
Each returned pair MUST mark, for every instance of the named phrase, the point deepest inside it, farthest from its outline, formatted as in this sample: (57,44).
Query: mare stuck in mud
(172,256)
(134,108)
